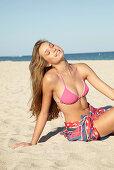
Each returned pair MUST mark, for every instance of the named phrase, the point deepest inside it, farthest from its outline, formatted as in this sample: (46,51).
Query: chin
(60,57)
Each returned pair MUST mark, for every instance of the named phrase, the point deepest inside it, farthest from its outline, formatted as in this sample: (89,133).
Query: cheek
(62,53)
(45,58)
(49,58)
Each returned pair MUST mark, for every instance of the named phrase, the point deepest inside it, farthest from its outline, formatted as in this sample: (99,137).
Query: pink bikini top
(69,97)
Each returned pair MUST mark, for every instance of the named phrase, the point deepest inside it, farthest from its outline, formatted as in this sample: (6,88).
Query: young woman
(60,86)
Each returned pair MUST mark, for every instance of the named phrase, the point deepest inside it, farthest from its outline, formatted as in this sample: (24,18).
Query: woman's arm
(46,101)
(47,90)
(95,81)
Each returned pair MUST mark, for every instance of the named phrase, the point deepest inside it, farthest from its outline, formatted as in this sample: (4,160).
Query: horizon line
(64,53)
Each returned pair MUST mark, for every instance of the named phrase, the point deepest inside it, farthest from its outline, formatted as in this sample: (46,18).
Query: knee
(111,113)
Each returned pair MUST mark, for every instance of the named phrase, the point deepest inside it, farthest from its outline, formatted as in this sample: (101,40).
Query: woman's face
(53,54)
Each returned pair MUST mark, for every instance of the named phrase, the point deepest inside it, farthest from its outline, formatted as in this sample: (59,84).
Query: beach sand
(53,152)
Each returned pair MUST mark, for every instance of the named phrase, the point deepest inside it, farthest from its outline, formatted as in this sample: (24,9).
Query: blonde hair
(38,67)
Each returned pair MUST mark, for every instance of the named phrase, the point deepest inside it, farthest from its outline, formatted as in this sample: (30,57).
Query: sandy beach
(53,152)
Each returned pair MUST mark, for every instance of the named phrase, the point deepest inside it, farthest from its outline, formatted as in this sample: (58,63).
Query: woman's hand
(22,144)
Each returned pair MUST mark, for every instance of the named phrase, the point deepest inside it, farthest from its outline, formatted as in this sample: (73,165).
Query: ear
(48,65)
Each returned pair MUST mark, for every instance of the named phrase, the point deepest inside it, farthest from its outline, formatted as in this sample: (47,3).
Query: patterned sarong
(84,129)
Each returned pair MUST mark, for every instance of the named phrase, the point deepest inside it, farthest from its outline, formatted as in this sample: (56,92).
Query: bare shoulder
(83,69)
(50,78)
(81,66)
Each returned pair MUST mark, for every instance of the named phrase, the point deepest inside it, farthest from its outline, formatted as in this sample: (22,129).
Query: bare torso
(72,112)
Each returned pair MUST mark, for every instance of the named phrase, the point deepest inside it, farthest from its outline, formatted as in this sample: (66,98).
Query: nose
(54,49)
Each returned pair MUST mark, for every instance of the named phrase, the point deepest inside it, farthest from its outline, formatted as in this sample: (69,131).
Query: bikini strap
(61,78)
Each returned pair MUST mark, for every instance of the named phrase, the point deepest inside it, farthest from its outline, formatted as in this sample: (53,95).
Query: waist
(76,115)
(93,114)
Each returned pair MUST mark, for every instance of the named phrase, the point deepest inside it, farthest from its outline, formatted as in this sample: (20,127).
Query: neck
(62,67)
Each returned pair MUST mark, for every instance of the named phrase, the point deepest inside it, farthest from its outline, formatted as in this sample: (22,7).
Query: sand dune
(53,152)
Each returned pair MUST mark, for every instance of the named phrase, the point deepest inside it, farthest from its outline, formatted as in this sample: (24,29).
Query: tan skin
(54,55)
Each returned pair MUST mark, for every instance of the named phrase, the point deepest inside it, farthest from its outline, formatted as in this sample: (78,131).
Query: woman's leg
(105,123)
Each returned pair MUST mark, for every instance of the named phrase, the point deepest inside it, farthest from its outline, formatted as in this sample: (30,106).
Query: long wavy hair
(38,68)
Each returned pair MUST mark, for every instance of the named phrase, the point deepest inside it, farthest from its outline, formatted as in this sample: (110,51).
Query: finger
(17,145)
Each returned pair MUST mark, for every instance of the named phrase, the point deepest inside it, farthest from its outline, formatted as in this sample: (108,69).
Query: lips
(58,52)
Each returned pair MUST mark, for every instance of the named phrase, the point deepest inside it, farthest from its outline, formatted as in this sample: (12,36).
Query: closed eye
(47,52)
(51,45)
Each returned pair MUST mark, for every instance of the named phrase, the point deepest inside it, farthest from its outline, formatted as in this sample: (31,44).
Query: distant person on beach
(58,86)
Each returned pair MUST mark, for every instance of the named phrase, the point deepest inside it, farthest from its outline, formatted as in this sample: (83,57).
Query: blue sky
(76,26)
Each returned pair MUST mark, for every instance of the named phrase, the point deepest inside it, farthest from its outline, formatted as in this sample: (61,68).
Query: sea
(72,56)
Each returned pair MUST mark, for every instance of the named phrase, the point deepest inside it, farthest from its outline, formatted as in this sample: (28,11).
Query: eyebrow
(49,44)
(46,49)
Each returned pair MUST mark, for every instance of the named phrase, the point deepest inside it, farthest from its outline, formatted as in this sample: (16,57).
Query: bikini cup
(69,97)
